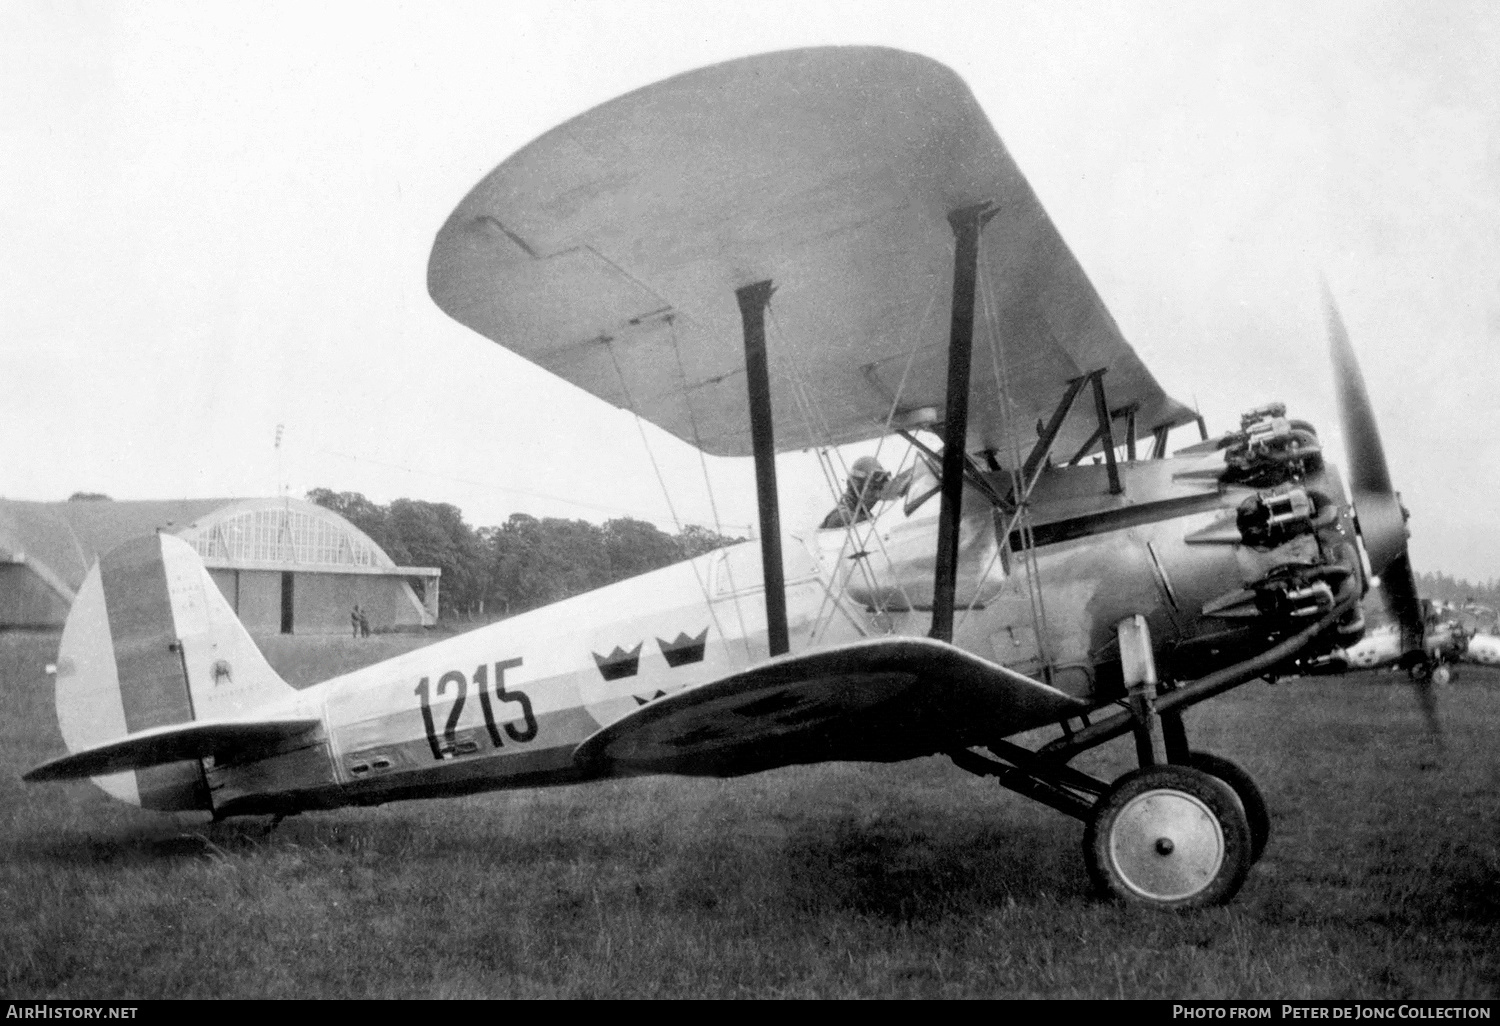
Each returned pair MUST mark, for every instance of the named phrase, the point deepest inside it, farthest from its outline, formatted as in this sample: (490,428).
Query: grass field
(1382,878)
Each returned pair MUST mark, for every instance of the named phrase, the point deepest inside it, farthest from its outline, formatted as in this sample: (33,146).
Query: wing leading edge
(881,700)
(608,252)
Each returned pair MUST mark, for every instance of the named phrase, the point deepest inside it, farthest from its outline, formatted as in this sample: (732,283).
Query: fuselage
(506,705)
(1483,648)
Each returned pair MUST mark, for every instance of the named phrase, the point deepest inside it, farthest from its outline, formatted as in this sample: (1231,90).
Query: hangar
(285,565)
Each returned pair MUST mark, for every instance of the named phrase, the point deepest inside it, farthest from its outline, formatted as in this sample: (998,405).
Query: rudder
(151,642)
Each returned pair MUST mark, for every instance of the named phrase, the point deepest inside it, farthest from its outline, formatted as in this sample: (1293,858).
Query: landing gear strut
(1136,828)
(1177,835)
(1183,830)
(1177,832)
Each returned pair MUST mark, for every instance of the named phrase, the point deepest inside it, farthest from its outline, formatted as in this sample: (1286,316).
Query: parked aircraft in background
(1383,645)
(1479,625)
(1483,648)
(1049,564)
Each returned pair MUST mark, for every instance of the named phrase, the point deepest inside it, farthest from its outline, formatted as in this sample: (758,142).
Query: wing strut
(753,300)
(1103,436)
(1047,435)
(1105,417)
(1159,447)
(967,223)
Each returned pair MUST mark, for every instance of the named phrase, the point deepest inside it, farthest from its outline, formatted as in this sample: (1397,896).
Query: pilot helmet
(864,468)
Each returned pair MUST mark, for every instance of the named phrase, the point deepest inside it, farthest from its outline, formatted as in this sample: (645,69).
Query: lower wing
(872,701)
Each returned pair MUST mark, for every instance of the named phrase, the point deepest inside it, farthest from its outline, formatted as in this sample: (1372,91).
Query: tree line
(1444,588)
(526,562)
(523,563)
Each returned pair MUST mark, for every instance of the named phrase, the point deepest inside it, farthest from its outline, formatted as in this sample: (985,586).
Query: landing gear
(1182,831)
(1169,837)
(1428,673)
(1431,670)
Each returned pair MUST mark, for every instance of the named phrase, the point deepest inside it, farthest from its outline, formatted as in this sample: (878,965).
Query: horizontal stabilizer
(172,743)
(872,701)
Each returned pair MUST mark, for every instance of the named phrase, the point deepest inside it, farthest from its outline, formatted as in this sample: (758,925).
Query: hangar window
(287,536)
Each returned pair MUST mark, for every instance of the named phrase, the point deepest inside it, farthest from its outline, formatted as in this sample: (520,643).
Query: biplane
(798,251)
(1383,645)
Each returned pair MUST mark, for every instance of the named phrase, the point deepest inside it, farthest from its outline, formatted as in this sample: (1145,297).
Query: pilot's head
(866,471)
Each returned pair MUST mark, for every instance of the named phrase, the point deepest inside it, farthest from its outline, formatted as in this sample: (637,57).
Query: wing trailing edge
(174,743)
(880,700)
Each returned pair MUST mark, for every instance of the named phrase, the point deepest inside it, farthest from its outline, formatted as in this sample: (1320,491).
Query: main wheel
(1169,837)
(1243,785)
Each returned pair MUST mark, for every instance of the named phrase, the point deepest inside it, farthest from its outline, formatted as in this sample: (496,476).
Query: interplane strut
(753,300)
(967,223)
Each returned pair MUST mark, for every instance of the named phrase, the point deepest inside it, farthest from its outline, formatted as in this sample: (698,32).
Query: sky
(215,221)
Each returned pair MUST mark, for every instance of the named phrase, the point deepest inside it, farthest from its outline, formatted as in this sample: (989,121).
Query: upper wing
(872,701)
(609,250)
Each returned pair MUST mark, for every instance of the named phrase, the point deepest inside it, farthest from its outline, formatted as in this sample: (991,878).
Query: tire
(1257,815)
(1168,837)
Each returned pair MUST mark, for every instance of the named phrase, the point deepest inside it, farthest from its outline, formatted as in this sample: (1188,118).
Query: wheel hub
(1166,845)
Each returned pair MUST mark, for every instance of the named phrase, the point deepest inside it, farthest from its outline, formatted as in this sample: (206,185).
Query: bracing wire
(661,481)
(713,505)
(812,422)
(1019,488)
(860,535)
(817,429)
(800,389)
(825,465)
(911,356)
(1007,404)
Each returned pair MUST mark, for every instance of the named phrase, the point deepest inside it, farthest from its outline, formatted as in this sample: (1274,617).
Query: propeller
(1382,518)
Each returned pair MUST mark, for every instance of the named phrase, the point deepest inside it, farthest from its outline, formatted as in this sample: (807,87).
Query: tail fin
(151,642)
